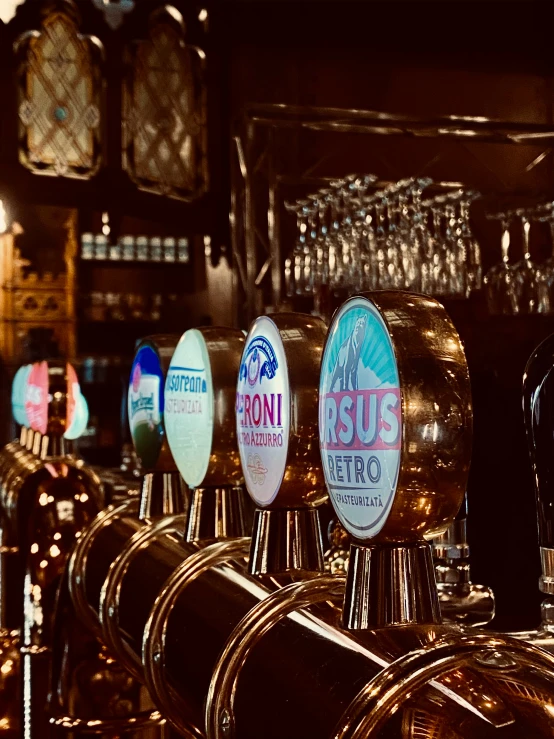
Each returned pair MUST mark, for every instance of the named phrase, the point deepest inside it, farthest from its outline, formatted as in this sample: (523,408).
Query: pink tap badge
(36,397)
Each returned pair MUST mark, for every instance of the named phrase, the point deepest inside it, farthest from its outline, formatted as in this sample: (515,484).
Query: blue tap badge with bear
(360,418)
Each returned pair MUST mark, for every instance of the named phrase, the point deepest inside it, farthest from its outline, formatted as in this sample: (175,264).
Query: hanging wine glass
(499,282)
(419,235)
(524,272)
(441,271)
(472,247)
(545,271)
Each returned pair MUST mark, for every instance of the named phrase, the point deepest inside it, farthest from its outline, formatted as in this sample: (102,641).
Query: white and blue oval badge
(263,411)
(189,407)
(360,418)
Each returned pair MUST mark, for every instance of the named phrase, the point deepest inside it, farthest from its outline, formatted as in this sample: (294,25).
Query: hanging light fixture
(8,8)
(114,10)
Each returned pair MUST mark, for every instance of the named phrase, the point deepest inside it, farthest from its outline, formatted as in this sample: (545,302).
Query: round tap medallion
(189,407)
(263,411)
(77,407)
(145,405)
(360,418)
(36,397)
(19,387)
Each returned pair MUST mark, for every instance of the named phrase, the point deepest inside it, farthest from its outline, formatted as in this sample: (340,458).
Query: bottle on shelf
(155,249)
(141,249)
(168,249)
(87,246)
(183,255)
(115,252)
(127,244)
(100,247)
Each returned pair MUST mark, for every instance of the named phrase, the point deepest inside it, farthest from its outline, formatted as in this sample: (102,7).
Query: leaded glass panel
(164,126)
(60,88)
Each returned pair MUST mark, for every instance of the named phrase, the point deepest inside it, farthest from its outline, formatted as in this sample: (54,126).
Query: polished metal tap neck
(52,446)
(286,540)
(389,585)
(451,553)
(461,601)
(547,616)
(546,580)
(217,513)
(162,494)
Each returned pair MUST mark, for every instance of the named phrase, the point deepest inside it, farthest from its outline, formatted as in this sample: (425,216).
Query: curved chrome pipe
(111,593)
(278,652)
(261,618)
(154,640)
(390,688)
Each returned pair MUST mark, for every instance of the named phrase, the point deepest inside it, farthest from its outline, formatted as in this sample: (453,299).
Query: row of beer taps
(174,602)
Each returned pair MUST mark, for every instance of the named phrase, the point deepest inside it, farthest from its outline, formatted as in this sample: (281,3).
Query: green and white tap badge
(263,411)
(145,405)
(360,418)
(19,387)
(189,407)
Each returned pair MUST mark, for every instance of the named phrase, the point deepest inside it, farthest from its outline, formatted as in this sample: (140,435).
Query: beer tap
(199,422)
(395,436)
(461,601)
(163,491)
(213,629)
(98,601)
(50,506)
(276,415)
(538,410)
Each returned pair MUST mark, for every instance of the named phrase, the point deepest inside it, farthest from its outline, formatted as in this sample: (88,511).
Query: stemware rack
(284,152)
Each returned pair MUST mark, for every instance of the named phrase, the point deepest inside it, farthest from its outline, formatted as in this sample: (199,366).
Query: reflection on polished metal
(546,582)
(223,687)
(199,421)
(80,590)
(428,461)
(114,583)
(154,651)
(461,601)
(216,513)
(283,467)
(382,696)
(202,594)
(286,541)
(336,557)
(389,585)
(163,493)
(121,703)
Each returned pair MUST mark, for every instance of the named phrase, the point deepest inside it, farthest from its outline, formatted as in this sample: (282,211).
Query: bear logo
(345,372)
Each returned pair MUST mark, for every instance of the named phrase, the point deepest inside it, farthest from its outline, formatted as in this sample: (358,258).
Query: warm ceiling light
(203,15)
(8,8)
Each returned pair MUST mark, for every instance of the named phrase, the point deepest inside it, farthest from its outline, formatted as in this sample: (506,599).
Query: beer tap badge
(360,418)
(189,407)
(77,407)
(19,391)
(36,397)
(145,405)
(263,411)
